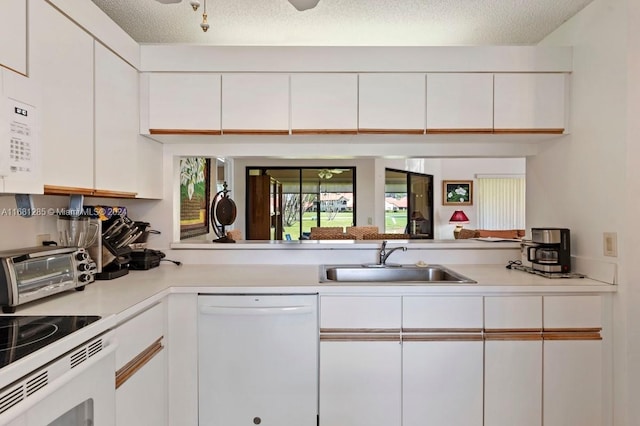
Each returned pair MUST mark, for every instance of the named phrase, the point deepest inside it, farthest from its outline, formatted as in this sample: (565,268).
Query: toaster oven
(33,273)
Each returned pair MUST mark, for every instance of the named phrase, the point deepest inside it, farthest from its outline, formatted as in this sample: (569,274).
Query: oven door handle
(58,383)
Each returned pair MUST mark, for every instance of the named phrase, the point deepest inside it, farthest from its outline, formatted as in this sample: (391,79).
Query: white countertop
(117,297)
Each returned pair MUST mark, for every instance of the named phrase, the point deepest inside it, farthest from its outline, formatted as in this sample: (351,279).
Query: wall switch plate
(610,244)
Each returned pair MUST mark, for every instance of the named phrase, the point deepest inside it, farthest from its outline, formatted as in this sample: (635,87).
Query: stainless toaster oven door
(42,276)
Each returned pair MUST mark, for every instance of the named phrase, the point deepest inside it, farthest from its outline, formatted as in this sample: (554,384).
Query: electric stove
(23,335)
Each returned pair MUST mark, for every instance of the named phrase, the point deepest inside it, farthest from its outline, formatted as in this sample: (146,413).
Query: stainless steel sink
(400,273)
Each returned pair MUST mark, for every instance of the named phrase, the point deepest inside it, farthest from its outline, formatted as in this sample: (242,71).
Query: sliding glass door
(409,203)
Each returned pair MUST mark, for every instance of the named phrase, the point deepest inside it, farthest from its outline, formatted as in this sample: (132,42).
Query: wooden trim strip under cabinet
(360,334)
(513,336)
(254,132)
(391,131)
(130,368)
(443,337)
(324,132)
(458,131)
(572,334)
(66,190)
(185,132)
(442,330)
(355,337)
(113,194)
(528,131)
(513,330)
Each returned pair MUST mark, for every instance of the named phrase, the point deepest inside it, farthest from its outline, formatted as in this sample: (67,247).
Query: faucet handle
(384,244)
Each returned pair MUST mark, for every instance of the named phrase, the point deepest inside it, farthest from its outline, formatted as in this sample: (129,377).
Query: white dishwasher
(258,360)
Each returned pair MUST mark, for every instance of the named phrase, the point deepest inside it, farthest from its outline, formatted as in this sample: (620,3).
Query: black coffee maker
(550,250)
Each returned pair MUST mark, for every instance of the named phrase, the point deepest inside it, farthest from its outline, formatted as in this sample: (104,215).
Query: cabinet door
(360,383)
(513,383)
(143,398)
(13,35)
(391,103)
(573,369)
(324,103)
(572,382)
(442,383)
(255,103)
(63,67)
(459,103)
(184,103)
(116,123)
(529,103)
(513,361)
(360,360)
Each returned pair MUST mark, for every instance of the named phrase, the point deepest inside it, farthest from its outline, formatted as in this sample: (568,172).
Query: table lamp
(458,218)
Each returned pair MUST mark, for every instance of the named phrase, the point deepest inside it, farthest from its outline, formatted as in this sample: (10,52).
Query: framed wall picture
(194,196)
(457,192)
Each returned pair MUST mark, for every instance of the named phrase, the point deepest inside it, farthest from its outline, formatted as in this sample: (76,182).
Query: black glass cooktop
(22,335)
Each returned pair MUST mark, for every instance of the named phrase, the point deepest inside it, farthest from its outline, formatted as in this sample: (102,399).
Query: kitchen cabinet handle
(236,310)
(132,367)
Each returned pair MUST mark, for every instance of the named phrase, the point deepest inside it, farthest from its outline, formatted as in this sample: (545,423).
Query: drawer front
(366,312)
(566,312)
(444,313)
(513,313)
(138,333)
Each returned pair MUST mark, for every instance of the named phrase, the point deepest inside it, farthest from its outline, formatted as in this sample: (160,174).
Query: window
(501,202)
(408,207)
(311,197)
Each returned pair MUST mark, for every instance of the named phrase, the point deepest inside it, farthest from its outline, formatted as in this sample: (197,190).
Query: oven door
(84,395)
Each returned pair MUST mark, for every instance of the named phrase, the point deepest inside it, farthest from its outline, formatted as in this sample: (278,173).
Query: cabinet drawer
(567,312)
(138,333)
(445,313)
(513,313)
(368,312)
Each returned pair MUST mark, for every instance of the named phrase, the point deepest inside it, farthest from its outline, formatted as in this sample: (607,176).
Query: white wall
(588,181)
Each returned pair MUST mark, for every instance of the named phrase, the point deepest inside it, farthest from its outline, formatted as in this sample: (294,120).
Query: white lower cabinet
(513,383)
(141,369)
(360,383)
(442,383)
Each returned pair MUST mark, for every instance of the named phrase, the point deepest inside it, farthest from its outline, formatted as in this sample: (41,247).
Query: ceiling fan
(298,4)
(328,173)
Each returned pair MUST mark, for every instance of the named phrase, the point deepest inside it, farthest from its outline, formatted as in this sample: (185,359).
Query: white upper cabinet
(63,66)
(391,103)
(13,35)
(324,103)
(184,103)
(116,122)
(255,103)
(460,103)
(529,103)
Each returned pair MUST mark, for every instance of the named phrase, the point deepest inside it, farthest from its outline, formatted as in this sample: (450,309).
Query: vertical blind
(501,202)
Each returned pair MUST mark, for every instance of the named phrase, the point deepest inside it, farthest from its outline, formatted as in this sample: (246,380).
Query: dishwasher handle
(252,310)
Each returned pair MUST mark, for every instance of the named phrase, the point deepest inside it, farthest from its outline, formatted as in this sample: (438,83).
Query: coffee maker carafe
(550,250)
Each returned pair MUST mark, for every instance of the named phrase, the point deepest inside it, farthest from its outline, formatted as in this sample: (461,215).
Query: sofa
(493,233)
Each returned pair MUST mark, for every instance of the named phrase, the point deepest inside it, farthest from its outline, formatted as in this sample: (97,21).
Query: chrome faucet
(383,255)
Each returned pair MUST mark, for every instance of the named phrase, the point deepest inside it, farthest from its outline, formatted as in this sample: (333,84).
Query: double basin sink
(429,274)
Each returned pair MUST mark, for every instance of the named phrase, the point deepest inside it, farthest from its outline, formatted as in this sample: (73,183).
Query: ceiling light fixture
(204,25)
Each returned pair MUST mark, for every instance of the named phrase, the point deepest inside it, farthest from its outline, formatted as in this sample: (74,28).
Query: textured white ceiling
(344,22)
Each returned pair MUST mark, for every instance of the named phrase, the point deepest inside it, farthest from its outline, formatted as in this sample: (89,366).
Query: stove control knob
(84,267)
(83,278)
(82,256)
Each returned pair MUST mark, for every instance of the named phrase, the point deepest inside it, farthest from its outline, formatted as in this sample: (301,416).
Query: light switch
(610,244)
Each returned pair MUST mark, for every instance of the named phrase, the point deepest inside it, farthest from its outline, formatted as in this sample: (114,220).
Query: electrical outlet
(42,237)
(370,221)
(610,244)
